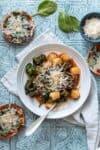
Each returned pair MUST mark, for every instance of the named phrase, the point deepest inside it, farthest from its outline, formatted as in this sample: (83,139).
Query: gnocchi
(65,57)
(75,93)
(48,105)
(75,70)
(51,56)
(54,95)
(47,64)
(57,61)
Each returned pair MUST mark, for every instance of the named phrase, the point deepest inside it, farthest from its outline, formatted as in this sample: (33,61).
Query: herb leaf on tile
(68,23)
(46,8)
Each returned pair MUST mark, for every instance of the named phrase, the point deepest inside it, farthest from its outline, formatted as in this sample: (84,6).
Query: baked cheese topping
(18,27)
(9,120)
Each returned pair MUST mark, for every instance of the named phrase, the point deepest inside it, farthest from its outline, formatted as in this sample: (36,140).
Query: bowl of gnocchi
(53,73)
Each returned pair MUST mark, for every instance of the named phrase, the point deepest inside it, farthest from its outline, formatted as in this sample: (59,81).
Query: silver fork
(34,126)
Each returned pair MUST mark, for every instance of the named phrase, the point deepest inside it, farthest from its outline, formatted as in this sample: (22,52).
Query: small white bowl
(63,109)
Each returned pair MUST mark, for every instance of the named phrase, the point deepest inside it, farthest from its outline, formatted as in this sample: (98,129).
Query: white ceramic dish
(64,109)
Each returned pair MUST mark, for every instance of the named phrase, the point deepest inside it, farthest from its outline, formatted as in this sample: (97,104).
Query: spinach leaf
(46,8)
(3,132)
(68,23)
(30,69)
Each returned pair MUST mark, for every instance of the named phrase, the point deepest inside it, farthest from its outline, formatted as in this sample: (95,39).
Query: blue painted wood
(53,134)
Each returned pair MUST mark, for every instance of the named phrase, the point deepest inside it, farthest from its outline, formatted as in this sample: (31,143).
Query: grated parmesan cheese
(18,28)
(16,25)
(92,28)
(9,119)
(56,77)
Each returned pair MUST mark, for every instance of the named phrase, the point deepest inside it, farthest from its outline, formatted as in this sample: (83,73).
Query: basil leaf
(68,23)
(46,8)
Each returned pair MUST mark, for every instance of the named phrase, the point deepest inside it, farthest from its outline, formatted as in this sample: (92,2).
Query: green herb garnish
(3,132)
(68,23)
(30,69)
(46,8)
(4,110)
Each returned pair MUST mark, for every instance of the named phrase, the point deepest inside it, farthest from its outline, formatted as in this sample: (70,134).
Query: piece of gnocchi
(65,57)
(48,105)
(75,93)
(47,64)
(57,61)
(51,56)
(55,95)
(75,70)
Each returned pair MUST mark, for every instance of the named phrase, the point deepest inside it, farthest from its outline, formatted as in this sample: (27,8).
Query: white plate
(63,109)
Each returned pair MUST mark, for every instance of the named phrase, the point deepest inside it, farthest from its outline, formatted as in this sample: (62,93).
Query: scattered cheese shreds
(57,78)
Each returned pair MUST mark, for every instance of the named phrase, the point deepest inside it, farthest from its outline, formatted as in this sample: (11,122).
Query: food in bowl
(11,120)
(52,78)
(94,59)
(18,27)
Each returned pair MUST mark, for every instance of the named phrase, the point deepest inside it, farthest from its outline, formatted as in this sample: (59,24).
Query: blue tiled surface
(53,134)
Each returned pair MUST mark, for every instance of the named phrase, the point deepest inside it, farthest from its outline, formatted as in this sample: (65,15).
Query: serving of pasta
(52,78)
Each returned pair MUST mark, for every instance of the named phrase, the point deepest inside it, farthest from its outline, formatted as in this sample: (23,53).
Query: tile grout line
(52,135)
(13,139)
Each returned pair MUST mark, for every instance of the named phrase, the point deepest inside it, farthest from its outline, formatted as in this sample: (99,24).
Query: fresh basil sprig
(68,23)
(46,8)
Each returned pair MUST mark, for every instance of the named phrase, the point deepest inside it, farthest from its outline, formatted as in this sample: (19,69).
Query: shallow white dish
(64,109)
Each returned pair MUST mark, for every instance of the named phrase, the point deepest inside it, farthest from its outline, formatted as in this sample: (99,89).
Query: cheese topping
(92,28)
(9,120)
(17,26)
(55,77)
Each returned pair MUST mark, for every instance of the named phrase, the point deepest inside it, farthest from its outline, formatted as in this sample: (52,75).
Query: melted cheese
(9,119)
(17,26)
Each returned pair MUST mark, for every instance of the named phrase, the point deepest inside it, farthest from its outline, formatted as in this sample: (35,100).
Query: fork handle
(32,128)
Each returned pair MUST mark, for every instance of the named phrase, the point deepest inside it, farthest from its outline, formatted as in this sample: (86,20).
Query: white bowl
(64,109)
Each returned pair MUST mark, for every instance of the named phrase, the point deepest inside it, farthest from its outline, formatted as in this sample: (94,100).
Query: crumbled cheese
(92,28)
